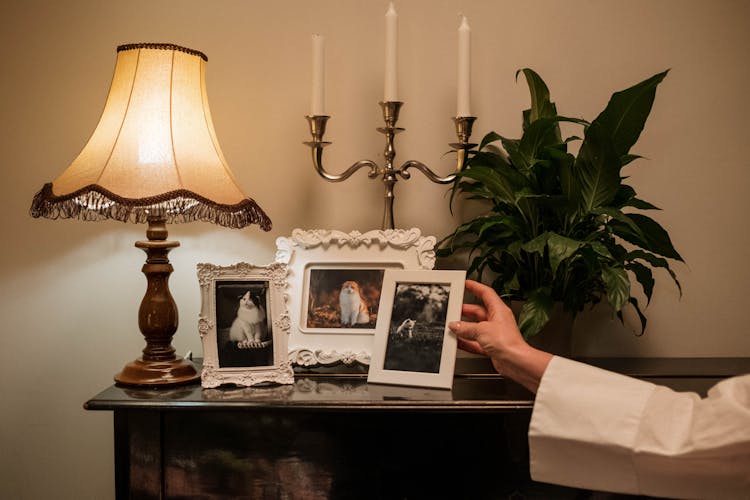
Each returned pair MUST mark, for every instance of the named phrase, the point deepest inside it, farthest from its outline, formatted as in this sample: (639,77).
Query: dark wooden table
(332,435)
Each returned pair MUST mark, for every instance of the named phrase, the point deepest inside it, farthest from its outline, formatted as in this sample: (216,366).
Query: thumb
(464,330)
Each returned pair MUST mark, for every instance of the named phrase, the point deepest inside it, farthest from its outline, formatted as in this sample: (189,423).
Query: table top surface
(476,388)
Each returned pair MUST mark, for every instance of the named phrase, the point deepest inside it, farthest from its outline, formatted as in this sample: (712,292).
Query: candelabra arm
(317,129)
(317,154)
(389,173)
(405,174)
(463,131)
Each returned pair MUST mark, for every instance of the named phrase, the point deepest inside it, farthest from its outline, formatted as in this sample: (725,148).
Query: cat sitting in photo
(406,329)
(250,324)
(353,306)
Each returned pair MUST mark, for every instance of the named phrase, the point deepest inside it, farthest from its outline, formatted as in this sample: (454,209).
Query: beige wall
(70,290)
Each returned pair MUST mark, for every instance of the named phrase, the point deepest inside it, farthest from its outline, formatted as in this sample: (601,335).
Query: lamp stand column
(157,318)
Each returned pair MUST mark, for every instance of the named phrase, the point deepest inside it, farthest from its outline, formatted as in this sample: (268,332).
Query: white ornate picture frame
(244,324)
(318,254)
(412,344)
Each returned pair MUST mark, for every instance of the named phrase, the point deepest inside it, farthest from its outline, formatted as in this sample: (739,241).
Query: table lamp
(153,158)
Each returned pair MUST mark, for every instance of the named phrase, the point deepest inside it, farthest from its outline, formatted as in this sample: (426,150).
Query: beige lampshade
(154,149)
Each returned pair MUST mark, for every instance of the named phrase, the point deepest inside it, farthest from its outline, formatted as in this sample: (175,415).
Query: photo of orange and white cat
(353,307)
(343,299)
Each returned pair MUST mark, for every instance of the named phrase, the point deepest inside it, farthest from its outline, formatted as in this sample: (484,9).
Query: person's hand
(495,332)
(496,335)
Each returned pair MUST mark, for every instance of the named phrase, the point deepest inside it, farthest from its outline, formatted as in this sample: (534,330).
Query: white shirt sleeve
(599,430)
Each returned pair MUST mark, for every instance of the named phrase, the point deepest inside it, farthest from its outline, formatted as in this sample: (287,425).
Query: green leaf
(560,248)
(601,249)
(495,182)
(624,194)
(535,312)
(539,134)
(487,139)
(625,197)
(537,245)
(641,204)
(517,159)
(506,287)
(642,317)
(462,230)
(654,238)
(617,284)
(617,214)
(514,249)
(625,159)
(644,276)
(498,222)
(488,158)
(475,190)
(654,261)
(443,252)
(625,115)
(479,262)
(596,172)
(541,106)
(568,183)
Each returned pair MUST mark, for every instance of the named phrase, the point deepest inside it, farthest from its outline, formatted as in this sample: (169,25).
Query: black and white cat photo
(249,326)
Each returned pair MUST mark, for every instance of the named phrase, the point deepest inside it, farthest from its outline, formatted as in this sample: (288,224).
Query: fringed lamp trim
(162,46)
(93,203)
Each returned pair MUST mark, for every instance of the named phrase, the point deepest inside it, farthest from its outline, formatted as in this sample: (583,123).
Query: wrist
(525,364)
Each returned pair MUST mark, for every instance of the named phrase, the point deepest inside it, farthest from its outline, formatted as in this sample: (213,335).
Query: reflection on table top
(476,388)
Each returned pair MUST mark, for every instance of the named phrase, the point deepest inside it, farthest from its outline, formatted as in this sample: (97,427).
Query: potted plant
(562,227)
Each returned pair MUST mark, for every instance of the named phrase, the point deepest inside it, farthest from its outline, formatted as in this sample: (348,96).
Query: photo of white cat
(249,327)
(406,328)
(353,307)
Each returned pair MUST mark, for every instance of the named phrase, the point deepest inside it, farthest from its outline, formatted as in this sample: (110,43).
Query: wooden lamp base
(157,319)
(158,373)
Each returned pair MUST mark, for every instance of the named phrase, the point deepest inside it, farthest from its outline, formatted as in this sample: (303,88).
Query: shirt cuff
(584,425)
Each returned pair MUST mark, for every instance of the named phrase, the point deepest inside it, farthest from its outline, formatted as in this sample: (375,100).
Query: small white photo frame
(412,344)
(244,324)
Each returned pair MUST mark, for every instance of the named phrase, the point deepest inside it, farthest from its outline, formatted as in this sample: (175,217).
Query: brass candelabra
(389,173)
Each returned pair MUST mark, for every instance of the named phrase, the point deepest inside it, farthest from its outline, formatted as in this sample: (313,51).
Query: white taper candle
(318,106)
(391,55)
(463,100)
